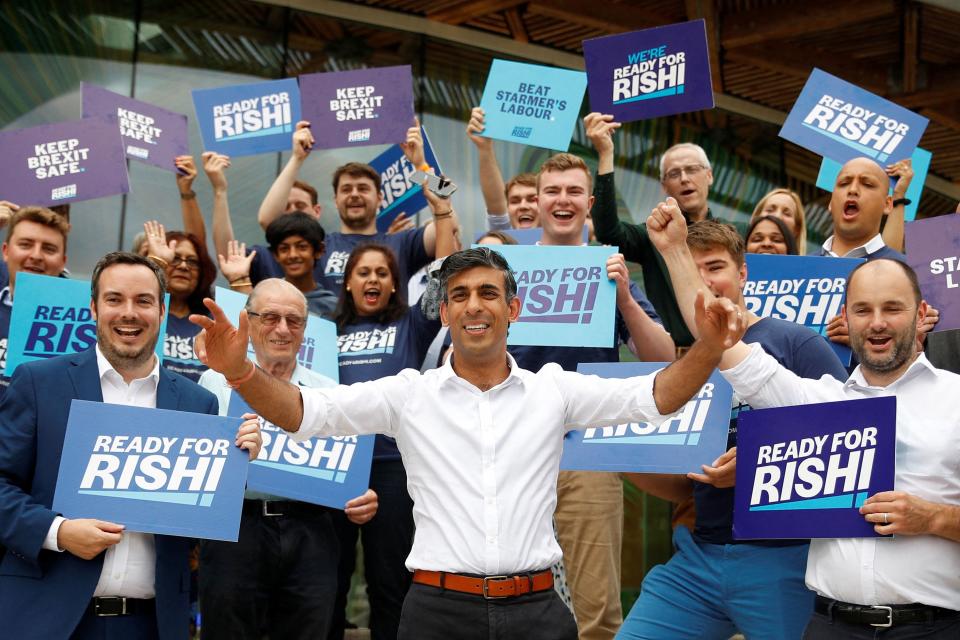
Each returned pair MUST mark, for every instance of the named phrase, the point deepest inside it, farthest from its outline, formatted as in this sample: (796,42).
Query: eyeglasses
(273,319)
(691,170)
(190,263)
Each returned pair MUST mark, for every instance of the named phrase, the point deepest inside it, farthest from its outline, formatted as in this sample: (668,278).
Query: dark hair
(710,234)
(295,224)
(907,271)
(125,257)
(356,170)
(477,257)
(502,236)
(208,272)
(346,312)
(303,186)
(788,237)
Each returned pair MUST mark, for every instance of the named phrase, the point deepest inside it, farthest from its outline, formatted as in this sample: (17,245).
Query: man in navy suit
(87,578)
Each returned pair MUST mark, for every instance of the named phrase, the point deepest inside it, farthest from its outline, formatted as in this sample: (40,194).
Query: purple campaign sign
(150,134)
(933,250)
(650,73)
(357,108)
(63,162)
(821,460)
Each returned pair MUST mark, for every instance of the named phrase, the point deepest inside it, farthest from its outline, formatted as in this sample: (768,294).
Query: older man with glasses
(280,578)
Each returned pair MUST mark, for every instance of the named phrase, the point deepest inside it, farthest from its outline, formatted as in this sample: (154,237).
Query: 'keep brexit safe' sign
(807,290)
(52,317)
(357,108)
(152,470)
(650,73)
(398,193)
(248,119)
(841,121)
(326,471)
(934,253)
(64,162)
(150,134)
(697,435)
(566,298)
(804,471)
(532,104)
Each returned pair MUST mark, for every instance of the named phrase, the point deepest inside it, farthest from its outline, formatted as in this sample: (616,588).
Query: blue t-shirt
(178,354)
(802,351)
(533,358)
(328,271)
(370,350)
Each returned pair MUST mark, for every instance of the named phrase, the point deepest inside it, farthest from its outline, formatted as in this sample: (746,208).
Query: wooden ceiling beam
(788,21)
(615,18)
(467,11)
(872,77)
(518,30)
(911,38)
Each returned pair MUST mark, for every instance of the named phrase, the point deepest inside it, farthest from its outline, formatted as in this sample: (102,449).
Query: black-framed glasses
(190,263)
(273,319)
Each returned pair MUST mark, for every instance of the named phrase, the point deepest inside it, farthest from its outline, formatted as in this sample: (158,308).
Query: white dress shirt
(481,465)
(129,567)
(882,571)
(875,244)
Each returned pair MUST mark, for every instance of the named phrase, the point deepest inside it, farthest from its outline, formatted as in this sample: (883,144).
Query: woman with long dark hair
(378,336)
(190,274)
(769,234)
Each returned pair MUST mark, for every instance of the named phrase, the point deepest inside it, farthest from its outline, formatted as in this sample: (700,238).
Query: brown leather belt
(488,587)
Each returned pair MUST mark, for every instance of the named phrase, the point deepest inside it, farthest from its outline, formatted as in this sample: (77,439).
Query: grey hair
(704,160)
(270,283)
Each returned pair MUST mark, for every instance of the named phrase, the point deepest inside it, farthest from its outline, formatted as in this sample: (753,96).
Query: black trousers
(141,627)
(387,540)
(279,578)
(823,628)
(430,613)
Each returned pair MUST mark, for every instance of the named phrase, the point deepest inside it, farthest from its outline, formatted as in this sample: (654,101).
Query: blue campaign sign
(319,349)
(325,471)
(807,290)
(152,470)
(841,121)
(934,253)
(397,193)
(532,104)
(696,436)
(247,119)
(651,73)
(531,235)
(51,317)
(830,169)
(566,298)
(823,460)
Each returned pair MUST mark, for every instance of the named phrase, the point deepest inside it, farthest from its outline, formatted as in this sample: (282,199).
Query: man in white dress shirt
(481,441)
(910,583)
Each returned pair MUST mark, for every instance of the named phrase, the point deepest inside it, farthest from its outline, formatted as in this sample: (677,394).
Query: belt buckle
(486,591)
(266,509)
(123,607)
(889,610)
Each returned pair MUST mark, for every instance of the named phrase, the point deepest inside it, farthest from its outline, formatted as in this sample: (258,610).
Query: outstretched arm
(275,201)
(215,166)
(649,340)
(491,179)
(189,208)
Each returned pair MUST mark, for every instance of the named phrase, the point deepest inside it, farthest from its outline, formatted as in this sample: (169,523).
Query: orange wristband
(235,383)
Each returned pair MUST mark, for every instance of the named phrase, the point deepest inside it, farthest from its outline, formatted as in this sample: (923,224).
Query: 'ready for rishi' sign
(357,108)
(650,73)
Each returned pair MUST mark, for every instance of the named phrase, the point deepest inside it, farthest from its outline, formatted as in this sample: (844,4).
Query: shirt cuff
(50,542)
(498,221)
(747,376)
(314,406)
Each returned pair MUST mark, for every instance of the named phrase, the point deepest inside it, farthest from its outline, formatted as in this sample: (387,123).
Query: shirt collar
(918,367)
(446,373)
(876,244)
(106,369)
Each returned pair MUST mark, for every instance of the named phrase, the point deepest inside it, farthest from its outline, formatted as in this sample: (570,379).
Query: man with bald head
(860,200)
(281,574)
(912,581)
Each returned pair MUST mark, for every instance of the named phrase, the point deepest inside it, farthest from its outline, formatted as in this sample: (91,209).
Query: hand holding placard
(722,473)
(600,129)
(186,173)
(302,141)
(475,129)
(361,509)
(413,145)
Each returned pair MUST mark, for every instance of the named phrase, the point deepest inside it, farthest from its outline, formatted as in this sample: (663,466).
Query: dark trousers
(430,613)
(279,578)
(823,628)
(139,627)
(387,540)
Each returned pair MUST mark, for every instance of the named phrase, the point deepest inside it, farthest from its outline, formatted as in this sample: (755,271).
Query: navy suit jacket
(43,594)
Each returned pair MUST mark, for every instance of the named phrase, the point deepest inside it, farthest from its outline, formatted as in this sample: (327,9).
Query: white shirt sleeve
(592,401)
(498,222)
(358,409)
(50,542)
(762,382)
